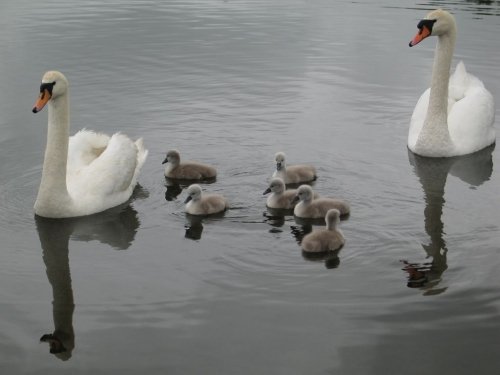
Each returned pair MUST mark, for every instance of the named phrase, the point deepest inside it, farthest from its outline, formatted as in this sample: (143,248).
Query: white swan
(311,208)
(189,170)
(198,203)
(88,172)
(327,239)
(455,115)
(293,174)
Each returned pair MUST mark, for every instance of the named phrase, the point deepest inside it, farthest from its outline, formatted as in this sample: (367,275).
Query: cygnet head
(304,193)
(54,84)
(194,193)
(276,186)
(173,157)
(279,157)
(332,218)
(435,23)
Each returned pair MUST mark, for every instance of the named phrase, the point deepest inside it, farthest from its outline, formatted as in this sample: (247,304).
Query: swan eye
(426,23)
(47,86)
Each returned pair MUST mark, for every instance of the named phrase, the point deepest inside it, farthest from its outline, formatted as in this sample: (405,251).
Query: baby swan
(198,203)
(293,174)
(189,170)
(317,208)
(328,239)
(281,198)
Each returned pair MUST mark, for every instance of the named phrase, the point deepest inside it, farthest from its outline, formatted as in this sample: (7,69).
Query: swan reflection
(329,258)
(173,189)
(115,227)
(175,186)
(275,217)
(194,224)
(473,169)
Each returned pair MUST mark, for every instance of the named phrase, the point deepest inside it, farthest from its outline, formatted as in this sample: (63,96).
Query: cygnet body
(327,239)
(317,208)
(293,174)
(198,203)
(280,198)
(189,170)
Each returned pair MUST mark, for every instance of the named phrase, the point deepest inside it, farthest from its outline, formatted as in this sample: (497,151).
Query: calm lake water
(142,289)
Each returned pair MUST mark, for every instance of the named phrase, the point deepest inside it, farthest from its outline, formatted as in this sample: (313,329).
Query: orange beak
(423,33)
(43,98)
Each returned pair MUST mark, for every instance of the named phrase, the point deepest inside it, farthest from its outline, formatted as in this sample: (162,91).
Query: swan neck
(434,138)
(438,102)
(56,151)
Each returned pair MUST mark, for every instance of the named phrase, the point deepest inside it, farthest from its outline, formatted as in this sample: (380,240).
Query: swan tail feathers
(142,154)
(460,68)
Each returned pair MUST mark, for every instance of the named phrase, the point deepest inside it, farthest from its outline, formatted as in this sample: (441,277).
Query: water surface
(143,288)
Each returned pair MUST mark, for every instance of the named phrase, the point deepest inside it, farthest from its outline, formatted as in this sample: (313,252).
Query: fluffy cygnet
(293,174)
(281,198)
(328,239)
(189,170)
(198,203)
(317,208)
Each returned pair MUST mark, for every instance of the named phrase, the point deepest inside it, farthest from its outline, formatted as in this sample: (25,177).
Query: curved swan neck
(434,139)
(438,101)
(56,152)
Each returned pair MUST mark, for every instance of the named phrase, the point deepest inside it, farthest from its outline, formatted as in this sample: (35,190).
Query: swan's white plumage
(470,111)
(101,171)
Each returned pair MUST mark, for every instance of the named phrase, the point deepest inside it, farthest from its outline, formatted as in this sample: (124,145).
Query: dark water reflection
(54,239)
(331,83)
(175,186)
(115,227)
(477,7)
(474,169)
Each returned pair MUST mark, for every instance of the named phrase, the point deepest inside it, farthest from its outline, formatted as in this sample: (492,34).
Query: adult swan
(87,173)
(455,116)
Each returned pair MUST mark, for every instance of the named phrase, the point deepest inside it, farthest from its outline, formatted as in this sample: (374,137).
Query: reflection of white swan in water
(116,227)
(54,238)
(473,169)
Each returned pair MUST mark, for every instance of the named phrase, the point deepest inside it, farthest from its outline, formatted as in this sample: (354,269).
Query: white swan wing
(471,112)
(83,148)
(109,179)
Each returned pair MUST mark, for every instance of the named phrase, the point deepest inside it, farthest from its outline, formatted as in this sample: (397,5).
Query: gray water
(142,289)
